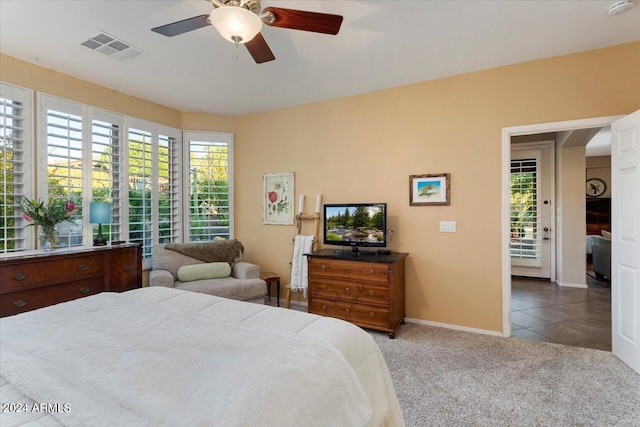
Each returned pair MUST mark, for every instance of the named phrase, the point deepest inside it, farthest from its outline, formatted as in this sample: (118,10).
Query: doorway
(532,209)
(564,255)
(579,313)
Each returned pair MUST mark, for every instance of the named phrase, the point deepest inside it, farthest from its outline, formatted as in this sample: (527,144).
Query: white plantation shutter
(154,185)
(106,170)
(210,179)
(168,189)
(525,237)
(140,182)
(81,159)
(16,148)
(65,164)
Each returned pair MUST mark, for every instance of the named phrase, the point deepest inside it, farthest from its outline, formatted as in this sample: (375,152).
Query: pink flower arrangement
(47,216)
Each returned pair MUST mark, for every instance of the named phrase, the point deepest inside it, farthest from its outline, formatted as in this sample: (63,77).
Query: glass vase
(48,238)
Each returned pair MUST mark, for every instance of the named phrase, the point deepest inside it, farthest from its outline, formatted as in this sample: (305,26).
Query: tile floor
(544,311)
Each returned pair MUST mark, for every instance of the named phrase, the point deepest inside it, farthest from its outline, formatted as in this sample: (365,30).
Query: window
(88,160)
(524,209)
(168,189)
(106,163)
(140,179)
(86,154)
(64,172)
(154,185)
(16,145)
(210,162)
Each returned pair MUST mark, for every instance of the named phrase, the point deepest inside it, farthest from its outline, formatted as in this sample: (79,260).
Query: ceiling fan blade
(259,49)
(305,21)
(184,26)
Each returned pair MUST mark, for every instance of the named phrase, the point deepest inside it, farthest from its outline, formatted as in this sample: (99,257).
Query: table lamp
(99,213)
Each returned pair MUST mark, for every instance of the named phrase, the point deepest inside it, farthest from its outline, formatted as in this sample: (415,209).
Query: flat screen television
(355,225)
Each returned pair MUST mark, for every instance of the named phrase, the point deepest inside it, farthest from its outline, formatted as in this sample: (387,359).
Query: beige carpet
(451,378)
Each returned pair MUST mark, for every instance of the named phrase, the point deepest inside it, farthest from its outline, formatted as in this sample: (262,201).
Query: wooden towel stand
(299,219)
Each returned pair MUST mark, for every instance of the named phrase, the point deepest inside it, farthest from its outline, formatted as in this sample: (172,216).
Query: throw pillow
(211,270)
(606,234)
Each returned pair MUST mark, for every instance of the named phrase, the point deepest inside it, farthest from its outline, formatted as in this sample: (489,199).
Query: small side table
(270,278)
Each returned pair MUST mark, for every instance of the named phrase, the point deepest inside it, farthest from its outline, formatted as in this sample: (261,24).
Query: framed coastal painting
(429,190)
(278,203)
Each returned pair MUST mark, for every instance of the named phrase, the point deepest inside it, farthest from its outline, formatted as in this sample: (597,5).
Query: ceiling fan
(240,22)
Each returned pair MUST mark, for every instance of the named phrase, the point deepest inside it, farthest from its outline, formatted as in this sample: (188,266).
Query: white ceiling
(600,144)
(381,44)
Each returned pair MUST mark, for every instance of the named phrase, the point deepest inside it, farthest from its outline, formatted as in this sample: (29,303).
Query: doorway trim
(507,133)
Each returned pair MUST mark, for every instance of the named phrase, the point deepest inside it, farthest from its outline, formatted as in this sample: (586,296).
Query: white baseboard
(455,327)
(572,285)
(419,321)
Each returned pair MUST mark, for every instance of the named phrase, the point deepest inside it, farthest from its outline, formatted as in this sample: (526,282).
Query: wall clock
(595,187)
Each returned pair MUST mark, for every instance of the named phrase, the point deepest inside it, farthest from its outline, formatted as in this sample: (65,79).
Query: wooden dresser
(366,290)
(36,279)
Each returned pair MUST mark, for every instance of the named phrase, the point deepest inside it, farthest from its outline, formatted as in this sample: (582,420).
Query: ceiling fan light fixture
(620,7)
(236,24)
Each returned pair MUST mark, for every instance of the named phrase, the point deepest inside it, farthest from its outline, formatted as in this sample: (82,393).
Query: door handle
(546,233)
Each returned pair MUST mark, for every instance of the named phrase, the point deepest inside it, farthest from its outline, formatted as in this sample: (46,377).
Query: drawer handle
(19,276)
(372,271)
(372,314)
(372,293)
(127,268)
(84,266)
(84,290)
(323,286)
(324,307)
(19,304)
(346,289)
(324,267)
(346,269)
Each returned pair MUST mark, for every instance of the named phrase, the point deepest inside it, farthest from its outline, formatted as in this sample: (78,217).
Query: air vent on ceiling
(113,47)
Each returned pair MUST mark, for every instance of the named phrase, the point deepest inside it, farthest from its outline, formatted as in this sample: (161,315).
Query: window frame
(26,96)
(156,130)
(224,137)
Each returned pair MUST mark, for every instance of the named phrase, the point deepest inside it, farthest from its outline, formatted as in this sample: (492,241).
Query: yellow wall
(21,73)
(363,148)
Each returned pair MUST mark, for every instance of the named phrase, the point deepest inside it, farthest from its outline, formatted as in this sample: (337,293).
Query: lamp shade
(236,24)
(99,213)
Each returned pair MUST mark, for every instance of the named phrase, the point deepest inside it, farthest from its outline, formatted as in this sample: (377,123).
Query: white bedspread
(160,356)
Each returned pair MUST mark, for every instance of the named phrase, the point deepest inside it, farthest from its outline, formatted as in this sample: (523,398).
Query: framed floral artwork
(278,202)
(429,190)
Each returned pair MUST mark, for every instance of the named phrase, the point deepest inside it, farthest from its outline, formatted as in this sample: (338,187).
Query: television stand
(366,290)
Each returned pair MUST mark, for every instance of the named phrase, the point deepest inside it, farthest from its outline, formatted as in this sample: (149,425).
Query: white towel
(299,266)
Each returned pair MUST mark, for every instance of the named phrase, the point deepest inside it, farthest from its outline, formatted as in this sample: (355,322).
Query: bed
(161,356)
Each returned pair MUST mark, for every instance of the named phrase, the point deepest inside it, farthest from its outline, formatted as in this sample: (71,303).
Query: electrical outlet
(447,226)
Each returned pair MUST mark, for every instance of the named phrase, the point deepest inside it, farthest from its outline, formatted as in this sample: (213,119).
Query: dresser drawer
(21,301)
(35,274)
(362,315)
(349,292)
(124,269)
(353,270)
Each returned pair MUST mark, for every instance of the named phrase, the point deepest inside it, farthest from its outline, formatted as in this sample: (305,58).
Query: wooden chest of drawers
(36,279)
(366,290)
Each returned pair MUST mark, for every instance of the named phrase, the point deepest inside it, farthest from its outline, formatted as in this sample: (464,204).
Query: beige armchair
(243,283)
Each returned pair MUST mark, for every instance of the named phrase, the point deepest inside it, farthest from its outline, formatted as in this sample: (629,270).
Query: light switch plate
(447,226)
